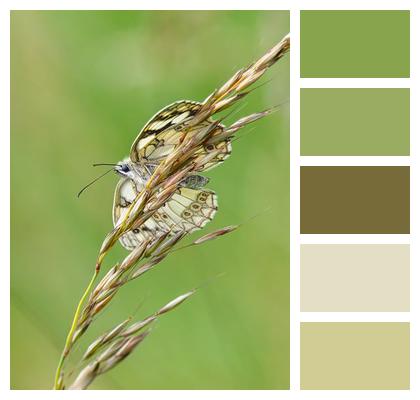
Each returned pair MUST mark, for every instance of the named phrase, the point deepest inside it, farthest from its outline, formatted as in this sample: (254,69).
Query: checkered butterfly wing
(163,133)
(187,210)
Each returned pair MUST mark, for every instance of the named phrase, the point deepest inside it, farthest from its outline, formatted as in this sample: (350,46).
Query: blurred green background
(83,83)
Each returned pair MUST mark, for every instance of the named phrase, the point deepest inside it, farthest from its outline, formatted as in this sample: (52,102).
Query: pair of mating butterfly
(192,206)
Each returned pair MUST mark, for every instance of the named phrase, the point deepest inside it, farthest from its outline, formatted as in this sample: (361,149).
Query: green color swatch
(355,122)
(355,355)
(355,44)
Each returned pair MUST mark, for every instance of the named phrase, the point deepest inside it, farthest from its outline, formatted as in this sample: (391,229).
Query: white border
(325,83)
(354,161)
(414,201)
(310,316)
(294,200)
(354,239)
(296,82)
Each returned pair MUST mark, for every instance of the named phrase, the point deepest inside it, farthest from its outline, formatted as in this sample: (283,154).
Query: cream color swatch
(355,277)
(355,355)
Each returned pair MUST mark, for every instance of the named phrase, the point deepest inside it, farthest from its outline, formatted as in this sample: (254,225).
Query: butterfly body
(192,206)
(138,172)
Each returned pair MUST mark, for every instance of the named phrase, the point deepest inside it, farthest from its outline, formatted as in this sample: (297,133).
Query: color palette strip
(355,122)
(348,284)
(355,44)
(355,355)
(355,277)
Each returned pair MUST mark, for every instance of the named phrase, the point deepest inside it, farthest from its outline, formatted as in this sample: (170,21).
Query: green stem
(68,345)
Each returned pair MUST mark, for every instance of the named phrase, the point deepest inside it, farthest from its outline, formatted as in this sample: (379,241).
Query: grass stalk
(69,340)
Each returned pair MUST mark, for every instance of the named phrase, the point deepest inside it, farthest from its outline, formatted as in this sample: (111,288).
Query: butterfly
(192,206)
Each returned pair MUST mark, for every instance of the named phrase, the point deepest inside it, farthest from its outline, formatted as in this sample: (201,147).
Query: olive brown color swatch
(355,122)
(355,277)
(358,200)
(355,44)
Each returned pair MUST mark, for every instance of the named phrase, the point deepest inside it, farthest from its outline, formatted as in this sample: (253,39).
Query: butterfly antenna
(100,164)
(91,183)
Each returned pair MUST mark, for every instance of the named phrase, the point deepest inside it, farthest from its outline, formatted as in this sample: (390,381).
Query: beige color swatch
(355,277)
(355,355)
